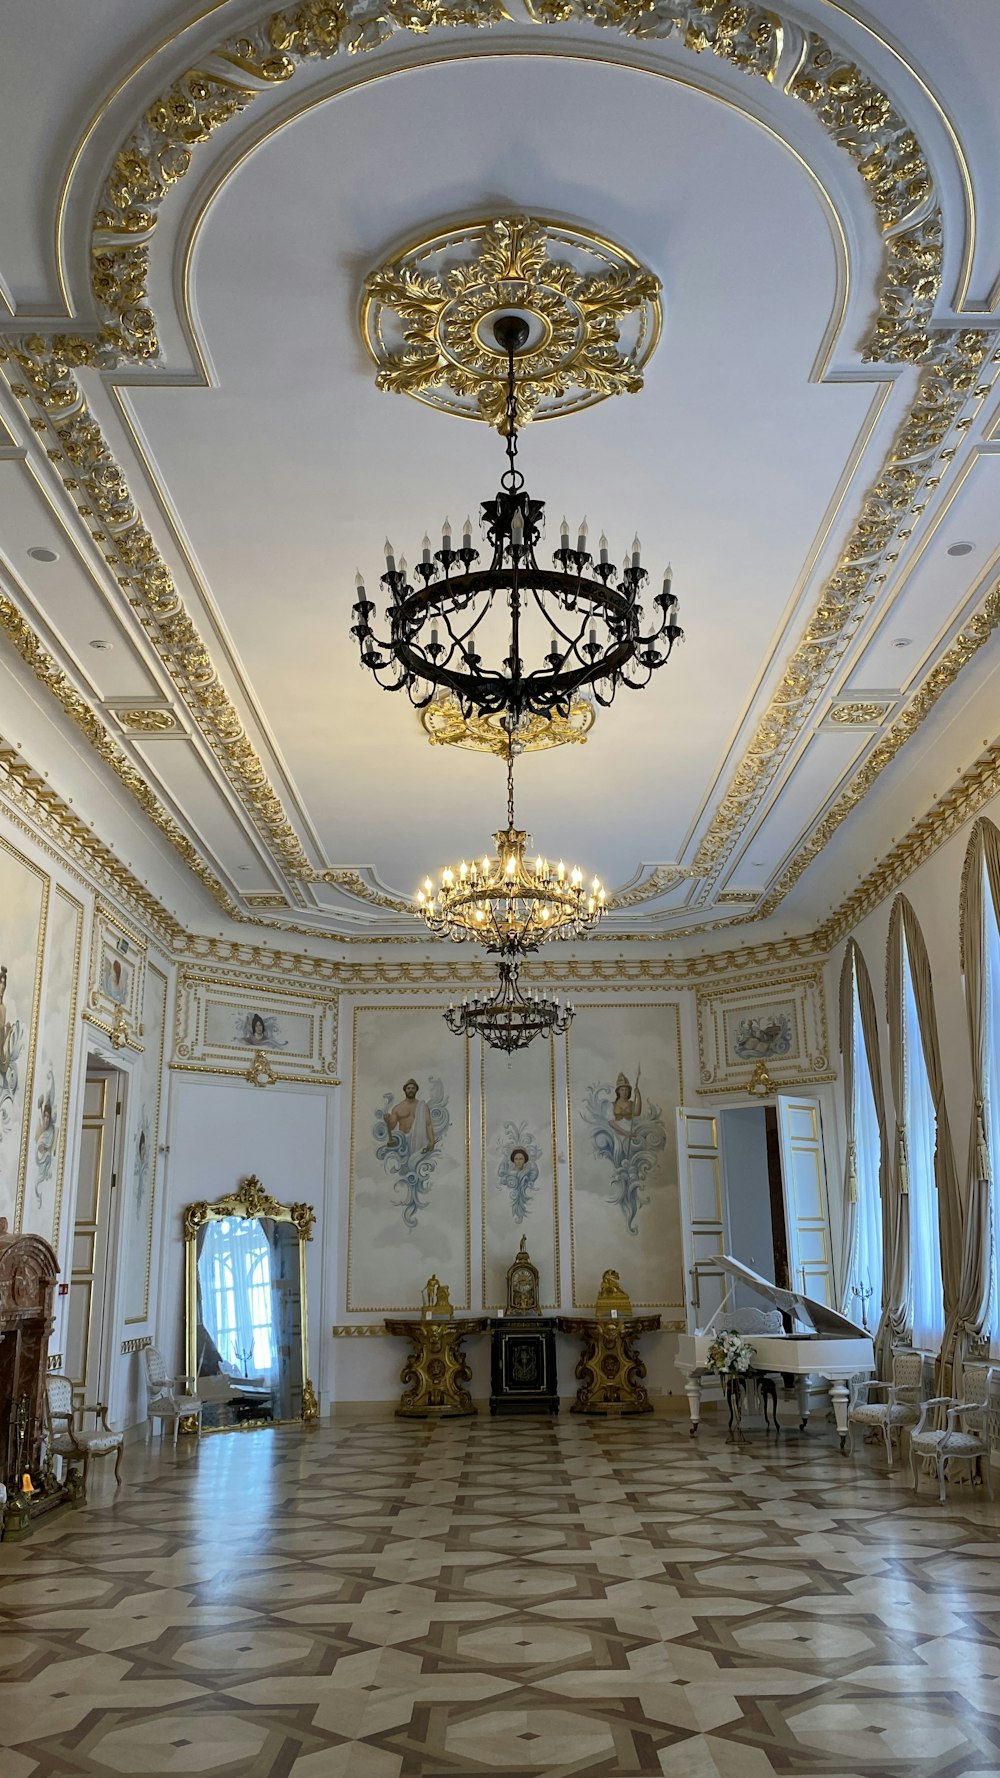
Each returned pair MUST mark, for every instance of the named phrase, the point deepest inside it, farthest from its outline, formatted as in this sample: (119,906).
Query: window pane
(926,1290)
(991,1104)
(866,1261)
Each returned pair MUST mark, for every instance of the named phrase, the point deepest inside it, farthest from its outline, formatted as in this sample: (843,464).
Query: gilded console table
(435,1372)
(609,1369)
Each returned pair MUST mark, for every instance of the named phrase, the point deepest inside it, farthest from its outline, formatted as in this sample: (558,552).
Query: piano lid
(817,1316)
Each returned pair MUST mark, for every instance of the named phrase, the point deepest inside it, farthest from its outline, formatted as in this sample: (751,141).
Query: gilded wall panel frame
(780,1021)
(518,1118)
(117,978)
(403,1220)
(222,1024)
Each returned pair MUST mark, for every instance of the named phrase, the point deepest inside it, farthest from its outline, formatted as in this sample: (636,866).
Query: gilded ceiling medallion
(444,725)
(864,713)
(593,315)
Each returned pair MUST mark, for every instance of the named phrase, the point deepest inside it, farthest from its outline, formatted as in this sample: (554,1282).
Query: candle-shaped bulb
(564,532)
(517,529)
(426,548)
(467,534)
(603,547)
(668,575)
(446,534)
(402,566)
(592,638)
(390,560)
(560,870)
(434,635)
(636,546)
(359,583)
(581,541)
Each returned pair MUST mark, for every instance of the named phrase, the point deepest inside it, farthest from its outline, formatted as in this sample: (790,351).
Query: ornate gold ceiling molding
(859,117)
(47,813)
(77,708)
(426,319)
(976,787)
(445,726)
(976,633)
(236,955)
(961,376)
(861,713)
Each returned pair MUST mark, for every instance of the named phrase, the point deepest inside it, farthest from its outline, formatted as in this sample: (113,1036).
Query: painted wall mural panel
(519,1169)
(623,1067)
(24,894)
(140,1174)
(409,1160)
(54,1069)
(780,1021)
(221,1025)
(117,973)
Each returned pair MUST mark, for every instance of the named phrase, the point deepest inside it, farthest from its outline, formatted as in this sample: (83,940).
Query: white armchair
(899,1408)
(964,1436)
(167,1398)
(65,1437)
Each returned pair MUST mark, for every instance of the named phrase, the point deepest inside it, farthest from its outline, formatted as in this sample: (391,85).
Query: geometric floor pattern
(524,1597)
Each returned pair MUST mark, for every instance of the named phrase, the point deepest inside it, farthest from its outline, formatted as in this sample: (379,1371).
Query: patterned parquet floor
(400,1600)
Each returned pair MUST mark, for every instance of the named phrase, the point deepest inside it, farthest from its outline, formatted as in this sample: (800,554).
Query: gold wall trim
(370,1330)
(74,911)
(33,1032)
(138,1344)
(855,112)
(970,639)
(50,814)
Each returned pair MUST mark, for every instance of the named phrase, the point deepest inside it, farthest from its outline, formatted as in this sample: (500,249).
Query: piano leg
(802,1390)
(692,1389)
(840,1395)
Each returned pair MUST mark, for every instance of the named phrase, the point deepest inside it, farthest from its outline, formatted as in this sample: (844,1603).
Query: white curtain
(991,1099)
(926,1287)
(865,1281)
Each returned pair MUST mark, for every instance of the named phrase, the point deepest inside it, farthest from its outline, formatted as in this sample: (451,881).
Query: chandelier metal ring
(509,1019)
(591,616)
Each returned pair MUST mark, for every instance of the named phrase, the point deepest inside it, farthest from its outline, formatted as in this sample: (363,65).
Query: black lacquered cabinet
(523,1365)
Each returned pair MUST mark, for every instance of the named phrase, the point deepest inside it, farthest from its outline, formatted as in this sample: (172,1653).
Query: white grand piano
(824,1344)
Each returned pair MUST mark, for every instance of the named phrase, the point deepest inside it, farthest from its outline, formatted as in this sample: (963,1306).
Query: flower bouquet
(731,1357)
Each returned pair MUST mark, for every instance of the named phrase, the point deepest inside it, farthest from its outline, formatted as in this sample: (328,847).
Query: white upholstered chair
(964,1438)
(167,1397)
(899,1406)
(67,1440)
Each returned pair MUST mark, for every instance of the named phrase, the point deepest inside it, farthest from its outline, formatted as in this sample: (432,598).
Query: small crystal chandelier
(590,618)
(507,1019)
(506,903)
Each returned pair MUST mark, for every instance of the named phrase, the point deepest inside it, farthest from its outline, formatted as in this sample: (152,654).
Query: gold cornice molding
(850,107)
(971,791)
(971,638)
(47,813)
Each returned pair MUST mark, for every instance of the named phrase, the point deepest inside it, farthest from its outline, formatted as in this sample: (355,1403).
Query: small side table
(523,1365)
(435,1372)
(609,1369)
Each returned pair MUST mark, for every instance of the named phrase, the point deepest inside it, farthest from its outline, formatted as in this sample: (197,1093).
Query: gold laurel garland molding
(860,118)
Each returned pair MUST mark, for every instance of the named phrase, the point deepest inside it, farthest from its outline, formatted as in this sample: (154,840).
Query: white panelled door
(704,1223)
(807,1209)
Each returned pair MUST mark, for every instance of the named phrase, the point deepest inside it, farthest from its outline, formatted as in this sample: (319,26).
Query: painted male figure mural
(411,1118)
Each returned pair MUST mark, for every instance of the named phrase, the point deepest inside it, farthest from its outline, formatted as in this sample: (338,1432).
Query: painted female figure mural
(11,1045)
(518,1170)
(407,1136)
(628,1137)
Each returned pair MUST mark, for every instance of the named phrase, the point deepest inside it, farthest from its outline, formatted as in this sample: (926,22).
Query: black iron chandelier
(590,615)
(508,1019)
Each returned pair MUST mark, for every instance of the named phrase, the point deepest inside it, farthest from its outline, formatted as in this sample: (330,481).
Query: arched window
(926,1292)
(991,1094)
(866,1143)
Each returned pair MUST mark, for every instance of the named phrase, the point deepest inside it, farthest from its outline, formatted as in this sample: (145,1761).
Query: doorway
(90,1317)
(755,1194)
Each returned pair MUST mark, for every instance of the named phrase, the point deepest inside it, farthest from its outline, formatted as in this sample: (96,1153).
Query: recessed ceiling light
(961,549)
(99,642)
(902,641)
(38,554)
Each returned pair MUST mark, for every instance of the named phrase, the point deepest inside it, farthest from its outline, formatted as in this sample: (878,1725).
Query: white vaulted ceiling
(266,465)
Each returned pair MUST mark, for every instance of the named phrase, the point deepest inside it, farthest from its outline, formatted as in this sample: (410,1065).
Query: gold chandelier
(506,903)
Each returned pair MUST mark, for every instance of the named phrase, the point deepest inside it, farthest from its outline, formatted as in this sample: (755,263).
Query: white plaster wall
(220,1131)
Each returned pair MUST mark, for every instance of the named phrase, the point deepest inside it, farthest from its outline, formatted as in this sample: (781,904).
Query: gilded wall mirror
(247,1309)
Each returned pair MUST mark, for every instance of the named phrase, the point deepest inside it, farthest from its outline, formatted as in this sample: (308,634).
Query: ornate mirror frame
(249,1200)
